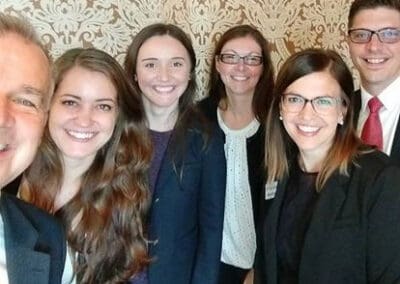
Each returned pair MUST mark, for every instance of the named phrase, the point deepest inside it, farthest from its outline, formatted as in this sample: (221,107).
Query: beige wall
(289,25)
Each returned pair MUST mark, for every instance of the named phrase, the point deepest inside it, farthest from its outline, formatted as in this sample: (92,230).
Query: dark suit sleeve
(211,212)
(383,242)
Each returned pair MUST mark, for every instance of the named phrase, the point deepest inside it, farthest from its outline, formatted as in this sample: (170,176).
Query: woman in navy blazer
(187,173)
(335,210)
(241,82)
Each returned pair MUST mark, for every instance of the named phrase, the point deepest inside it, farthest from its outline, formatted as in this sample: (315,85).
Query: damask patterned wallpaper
(289,25)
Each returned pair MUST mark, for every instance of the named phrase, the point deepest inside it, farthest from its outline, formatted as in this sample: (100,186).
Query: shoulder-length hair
(265,85)
(280,148)
(104,221)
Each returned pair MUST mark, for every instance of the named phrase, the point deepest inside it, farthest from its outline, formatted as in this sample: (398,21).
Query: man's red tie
(372,130)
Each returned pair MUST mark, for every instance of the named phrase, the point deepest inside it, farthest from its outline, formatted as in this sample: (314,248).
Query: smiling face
(83,113)
(313,133)
(162,72)
(24,88)
(240,79)
(377,62)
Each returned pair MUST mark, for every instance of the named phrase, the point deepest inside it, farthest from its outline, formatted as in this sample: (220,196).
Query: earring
(340,121)
(280,117)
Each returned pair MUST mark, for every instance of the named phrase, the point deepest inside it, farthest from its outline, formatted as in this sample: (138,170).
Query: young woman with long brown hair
(187,173)
(92,164)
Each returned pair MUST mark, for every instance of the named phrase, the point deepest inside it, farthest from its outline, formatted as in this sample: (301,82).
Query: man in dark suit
(374,44)
(32,243)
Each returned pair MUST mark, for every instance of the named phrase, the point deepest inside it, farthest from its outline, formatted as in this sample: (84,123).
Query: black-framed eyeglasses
(385,35)
(251,60)
(322,105)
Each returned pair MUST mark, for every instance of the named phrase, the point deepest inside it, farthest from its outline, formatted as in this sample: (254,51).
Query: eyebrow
(172,58)
(249,53)
(107,100)
(79,98)
(149,58)
(32,90)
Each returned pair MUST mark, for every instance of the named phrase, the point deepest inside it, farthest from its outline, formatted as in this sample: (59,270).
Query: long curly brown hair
(113,198)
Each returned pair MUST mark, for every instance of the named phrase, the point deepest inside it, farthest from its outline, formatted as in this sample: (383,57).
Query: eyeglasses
(385,35)
(322,105)
(251,60)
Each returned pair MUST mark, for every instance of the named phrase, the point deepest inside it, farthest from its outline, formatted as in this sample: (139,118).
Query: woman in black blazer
(335,211)
(241,82)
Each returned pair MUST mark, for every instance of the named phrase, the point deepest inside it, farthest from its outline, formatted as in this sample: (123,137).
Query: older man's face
(24,84)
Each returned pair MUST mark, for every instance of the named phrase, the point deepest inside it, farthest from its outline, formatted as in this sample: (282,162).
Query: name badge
(270,190)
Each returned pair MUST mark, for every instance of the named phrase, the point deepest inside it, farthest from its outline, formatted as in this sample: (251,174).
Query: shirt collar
(389,97)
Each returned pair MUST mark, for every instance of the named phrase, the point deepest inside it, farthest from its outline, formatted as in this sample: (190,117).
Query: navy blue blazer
(395,152)
(34,242)
(187,213)
(354,232)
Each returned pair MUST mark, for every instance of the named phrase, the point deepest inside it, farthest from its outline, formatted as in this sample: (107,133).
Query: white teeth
(3,147)
(375,60)
(164,89)
(80,135)
(308,128)
(239,78)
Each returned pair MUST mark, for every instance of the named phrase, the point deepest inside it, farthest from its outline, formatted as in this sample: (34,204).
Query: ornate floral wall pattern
(289,25)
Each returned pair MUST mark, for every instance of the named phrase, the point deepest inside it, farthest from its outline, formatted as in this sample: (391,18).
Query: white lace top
(239,236)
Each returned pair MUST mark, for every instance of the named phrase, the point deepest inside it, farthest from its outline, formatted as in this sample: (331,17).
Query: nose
(6,116)
(164,73)
(84,116)
(308,111)
(374,43)
(240,65)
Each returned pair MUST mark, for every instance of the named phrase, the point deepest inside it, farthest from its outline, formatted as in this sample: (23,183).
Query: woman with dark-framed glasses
(334,212)
(240,84)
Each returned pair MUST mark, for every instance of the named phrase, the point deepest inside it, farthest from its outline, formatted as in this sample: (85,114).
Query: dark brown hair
(187,99)
(264,86)
(188,114)
(359,5)
(113,198)
(280,148)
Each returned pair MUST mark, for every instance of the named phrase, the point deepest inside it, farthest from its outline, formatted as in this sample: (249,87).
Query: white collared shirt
(3,265)
(388,114)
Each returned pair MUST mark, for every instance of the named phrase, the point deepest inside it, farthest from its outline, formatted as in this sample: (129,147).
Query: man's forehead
(23,65)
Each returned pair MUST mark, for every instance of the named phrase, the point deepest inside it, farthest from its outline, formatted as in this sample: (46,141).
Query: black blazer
(255,155)
(34,242)
(187,214)
(395,152)
(354,232)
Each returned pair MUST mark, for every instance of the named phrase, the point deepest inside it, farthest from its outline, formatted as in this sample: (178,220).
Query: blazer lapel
(164,175)
(356,101)
(269,233)
(395,152)
(24,264)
